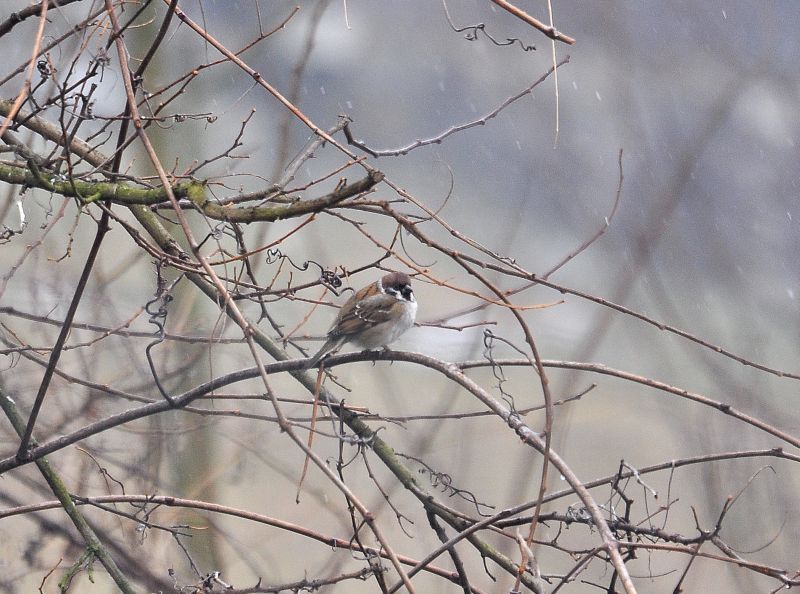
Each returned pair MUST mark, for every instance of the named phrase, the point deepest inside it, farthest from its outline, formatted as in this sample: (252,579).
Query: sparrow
(373,317)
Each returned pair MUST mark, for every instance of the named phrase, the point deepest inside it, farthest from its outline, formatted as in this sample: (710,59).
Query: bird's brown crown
(395,280)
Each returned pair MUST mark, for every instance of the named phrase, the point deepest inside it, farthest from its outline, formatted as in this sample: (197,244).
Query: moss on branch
(129,195)
(87,191)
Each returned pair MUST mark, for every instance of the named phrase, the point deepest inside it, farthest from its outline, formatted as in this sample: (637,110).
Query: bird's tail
(330,345)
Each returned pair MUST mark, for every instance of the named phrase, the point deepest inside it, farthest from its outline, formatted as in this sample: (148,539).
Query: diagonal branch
(102,228)
(230,307)
(93,544)
(551,32)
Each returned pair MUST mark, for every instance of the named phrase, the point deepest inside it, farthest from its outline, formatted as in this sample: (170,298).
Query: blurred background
(702,100)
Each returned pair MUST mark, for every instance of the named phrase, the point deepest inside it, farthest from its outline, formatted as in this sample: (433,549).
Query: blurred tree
(177,234)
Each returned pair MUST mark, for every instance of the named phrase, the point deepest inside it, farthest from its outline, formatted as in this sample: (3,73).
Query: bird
(373,317)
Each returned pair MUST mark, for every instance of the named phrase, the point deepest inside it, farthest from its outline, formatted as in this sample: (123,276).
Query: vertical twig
(102,228)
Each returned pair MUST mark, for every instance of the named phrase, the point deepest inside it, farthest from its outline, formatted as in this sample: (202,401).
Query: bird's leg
(386,349)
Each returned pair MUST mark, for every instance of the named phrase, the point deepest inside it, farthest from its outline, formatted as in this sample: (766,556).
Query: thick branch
(249,214)
(93,191)
(120,193)
(93,544)
(17,17)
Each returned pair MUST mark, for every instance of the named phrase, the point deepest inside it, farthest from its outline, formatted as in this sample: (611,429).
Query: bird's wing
(366,314)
